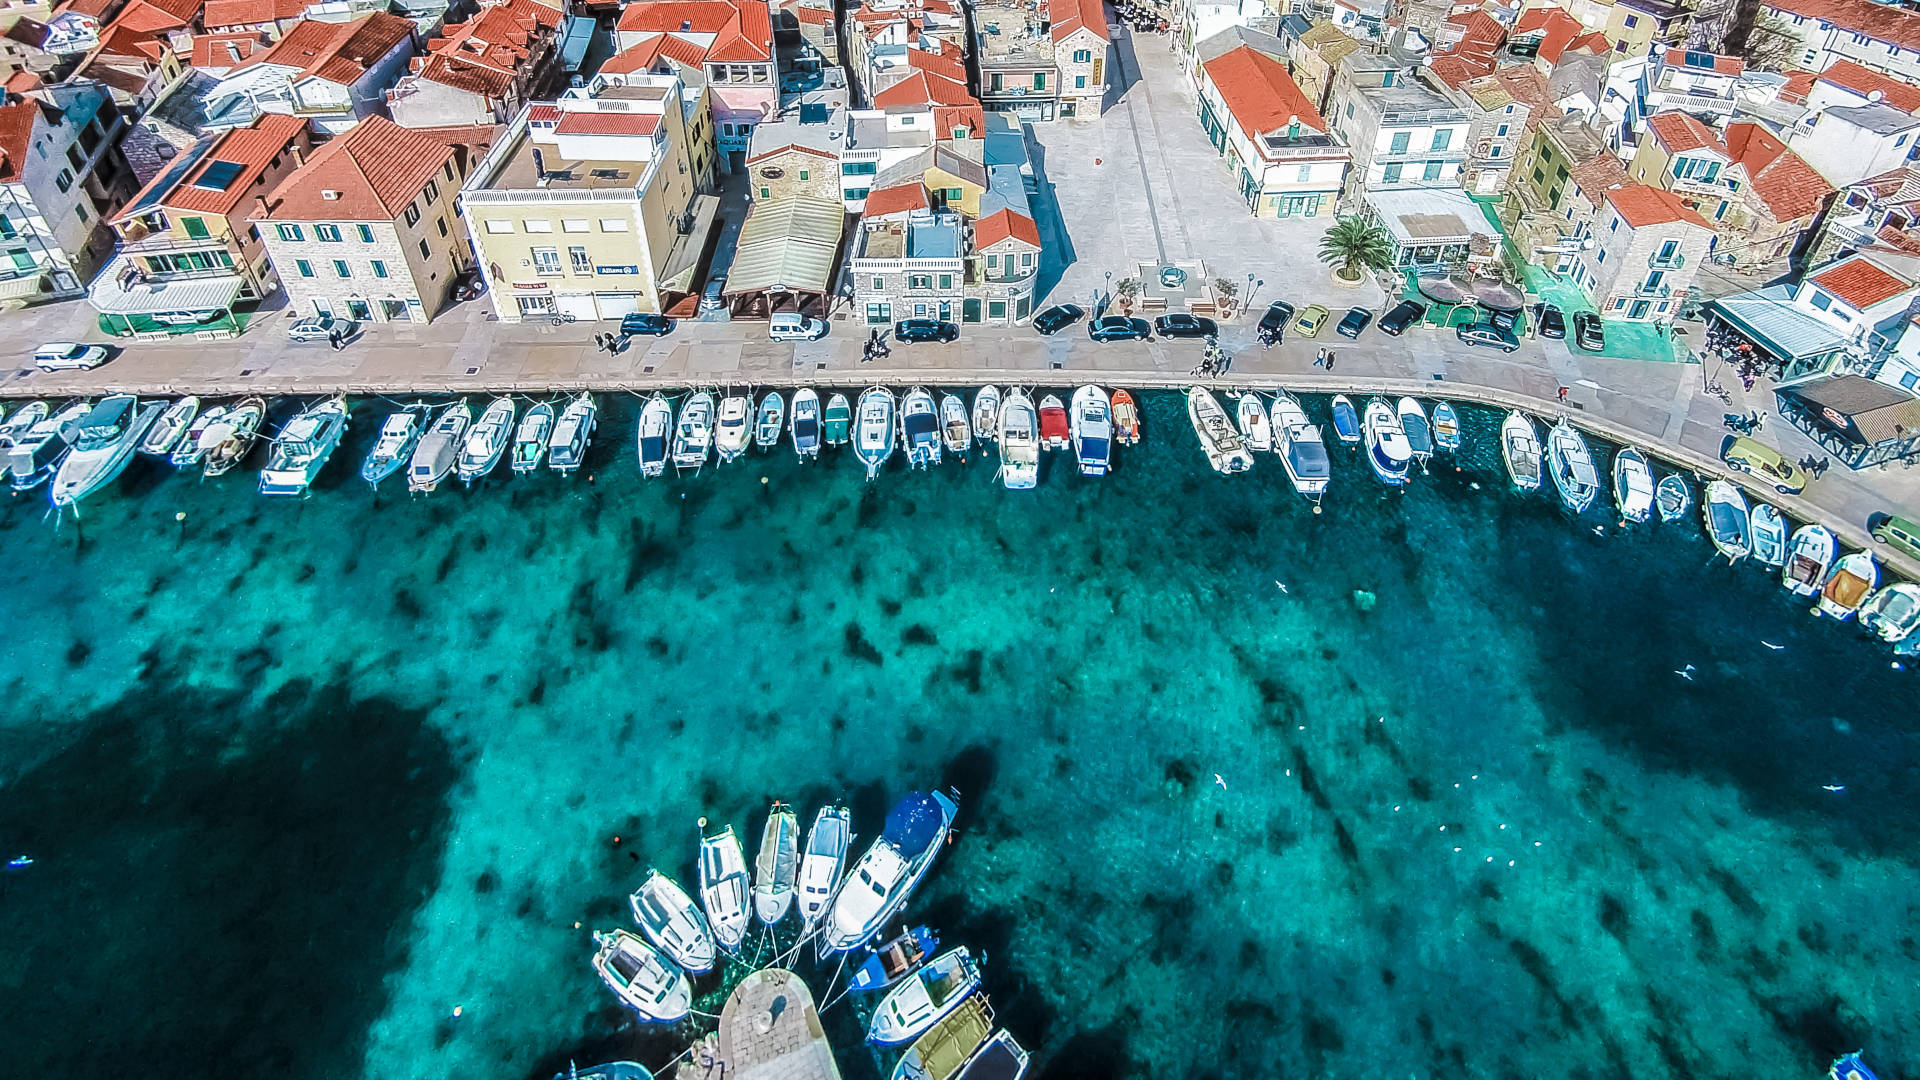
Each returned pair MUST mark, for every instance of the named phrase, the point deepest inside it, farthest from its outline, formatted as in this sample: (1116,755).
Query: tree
(1774,45)
(1355,244)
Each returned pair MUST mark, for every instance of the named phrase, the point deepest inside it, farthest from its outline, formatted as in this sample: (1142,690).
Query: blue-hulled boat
(895,960)
(1346,420)
(1850,1067)
(879,884)
(613,1070)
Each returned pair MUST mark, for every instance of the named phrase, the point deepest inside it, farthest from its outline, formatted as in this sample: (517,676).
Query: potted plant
(1124,291)
(1225,292)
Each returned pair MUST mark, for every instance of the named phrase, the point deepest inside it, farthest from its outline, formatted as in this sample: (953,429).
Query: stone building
(60,184)
(1650,246)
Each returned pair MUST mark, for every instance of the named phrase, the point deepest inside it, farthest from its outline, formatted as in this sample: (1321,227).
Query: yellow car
(1763,461)
(1310,321)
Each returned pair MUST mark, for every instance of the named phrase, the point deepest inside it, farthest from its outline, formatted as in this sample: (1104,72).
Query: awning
(1859,409)
(788,244)
(1788,333)
(684,258)
(1445,290)
(1498,295)
(213,292)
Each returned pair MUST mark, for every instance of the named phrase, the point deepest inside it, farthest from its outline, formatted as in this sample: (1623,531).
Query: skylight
(219,176)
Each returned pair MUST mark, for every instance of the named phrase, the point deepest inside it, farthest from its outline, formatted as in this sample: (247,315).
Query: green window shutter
(196,228)
(305,267)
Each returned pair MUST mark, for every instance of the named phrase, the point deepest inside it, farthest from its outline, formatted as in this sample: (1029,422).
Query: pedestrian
(866,352)
(333,340)
(1329,359)
(1563,395)
(1320,357)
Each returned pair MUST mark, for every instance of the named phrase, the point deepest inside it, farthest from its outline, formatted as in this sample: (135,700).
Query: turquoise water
(302,778)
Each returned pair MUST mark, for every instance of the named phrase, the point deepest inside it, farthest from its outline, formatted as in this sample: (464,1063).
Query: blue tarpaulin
(913,823)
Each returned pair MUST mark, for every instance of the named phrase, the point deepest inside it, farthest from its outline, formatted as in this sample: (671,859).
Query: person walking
(1320,357)
(1563,395)
(1329,359)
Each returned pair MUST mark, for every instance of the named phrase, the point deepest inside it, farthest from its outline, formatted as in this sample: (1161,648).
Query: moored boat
(35,452)
(1672,497)
(1226,451)
(1126,419)
(1446,426)
(889,963)
(986,414)
(434,457)
(573,433)
(770,422)
(1570,463)
(103,442)
(302,447)
(1767,531)
(225,443)
(1632,485)
(673,923)
(394,445)
(805,428)
(1893,612)
(485,443)
(723,887)
(1520,448)
(999,1058)
(1346,421)
(1250,417)
(777,865)
(612,1070)
(944,1049)
(1387,449)
(1413,422)
(653,435)
(1303,451)
(955,431)
(642,977)
(732,427)
(920,428)
(836,424)
(820,864)
(880,882)
(1809,557)
(1055,428)
(1019,430)
(21,421)
(530,438)
(693,432)
(1725,514)
(1092,430)
(1849,586)
(166,432)
(873,432)
(917,1002)
(188,450)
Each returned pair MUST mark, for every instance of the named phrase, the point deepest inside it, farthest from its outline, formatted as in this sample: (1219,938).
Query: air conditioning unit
(329,194)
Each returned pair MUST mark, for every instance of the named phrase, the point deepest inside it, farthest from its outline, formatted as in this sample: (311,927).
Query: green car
(1310,321)
(1763,461)
(1903,534)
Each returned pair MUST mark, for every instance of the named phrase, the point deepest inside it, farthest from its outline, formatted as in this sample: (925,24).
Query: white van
(791,326)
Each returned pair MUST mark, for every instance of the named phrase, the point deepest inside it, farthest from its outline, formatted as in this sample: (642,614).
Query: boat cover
(1728,522)
(1346,421)
(806,428)
(1309,459)
(913,824)
(997,1060)
(653,448)
(1093,449)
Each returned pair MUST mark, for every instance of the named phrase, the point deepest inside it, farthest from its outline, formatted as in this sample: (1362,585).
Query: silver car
(320,328)
(68,356)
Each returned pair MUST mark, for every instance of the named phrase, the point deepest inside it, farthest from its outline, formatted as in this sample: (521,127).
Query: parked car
(910,331)
(1119,328)
(1552,323)
(1274,323)
(469,285)
(1356,321)
(1058,318)
(1185,326)
(714,297)
(1403,315)
(1489,336)
(643,322)
(69,356)
(1753,456)
(1902,534)
(1587,333)
(1505,320)
(1311,320)
(320,328)
(793,326)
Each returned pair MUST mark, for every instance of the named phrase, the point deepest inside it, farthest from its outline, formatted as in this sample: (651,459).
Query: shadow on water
(212,906)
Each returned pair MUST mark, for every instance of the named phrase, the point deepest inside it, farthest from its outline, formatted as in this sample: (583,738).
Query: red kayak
(1053,423)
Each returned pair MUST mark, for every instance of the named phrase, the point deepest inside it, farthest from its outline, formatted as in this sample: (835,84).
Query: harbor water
(1436,783)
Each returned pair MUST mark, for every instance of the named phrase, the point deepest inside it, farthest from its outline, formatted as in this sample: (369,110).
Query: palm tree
(1354,244)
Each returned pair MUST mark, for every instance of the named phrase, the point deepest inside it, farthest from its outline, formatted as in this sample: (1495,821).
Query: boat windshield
(652,448)
(1093,449)
(805,428)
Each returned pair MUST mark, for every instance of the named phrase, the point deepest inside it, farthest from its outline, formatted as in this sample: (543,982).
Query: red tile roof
(1882,21)
(484,54)
(1678,132)
(220,13)
(1071,15)
(1797,85)
(950,67)
(1000,225)
(742,29)
(1860,283)
(647,56)
(1789,187)
(608,123)
(214,52)
(337,52)
(16,135)
(896,200)
(925,88)
(251,148)
(1594,42)
(543,113)
(1557,29)
(1260,94)
(375,170)
(1642,206)
(1864,81)
(1722,65)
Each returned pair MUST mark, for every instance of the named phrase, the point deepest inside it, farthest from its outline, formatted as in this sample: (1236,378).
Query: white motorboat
(1768,533)
(530,438)
(225,443)
(1809,557)
(572,434)
(732,427)
(642,977)
(1672,497)
(1387,449)
(486,441)
(188,450)
(918,1001)
(1302,449)
(693,433)
(1446,427)
(34,453)
(1725,515)
(303,446)
(1092,430)
(723,887)
(880,882)
(1570,464)
(434,457)
(21,421)
(166,432)
(1893,612)
(777,866)
(673,922)
(821,863)
(1226,451)
(805,429)
(986,414)
(1419,433)
(770,422)
(655,435)
(1632,485)
(920,428)
(955,431)
(1346,421)
(873,429)
(399,432)
(1520,447)
(1018,427)
(1849,586)
(103,442)
(1250,414)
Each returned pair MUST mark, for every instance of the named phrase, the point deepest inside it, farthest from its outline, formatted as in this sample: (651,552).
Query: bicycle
(1719,391)
(560,320)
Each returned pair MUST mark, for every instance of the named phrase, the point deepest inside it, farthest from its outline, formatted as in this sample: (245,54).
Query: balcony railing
(1642,288)
(168,243)
(1660,100)
(1669,261)
(322,108)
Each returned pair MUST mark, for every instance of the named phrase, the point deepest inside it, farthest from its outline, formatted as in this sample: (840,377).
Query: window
(859,168)
(1442,138)
(1500,132)
(575,225)
(1493,151)
(328,233)
(766,193)
(1391,174)
(546,261)
(946,282)
(196,227)
(425,251)
(1306,174)
(879,283)
(1821,301)
(366,234)
(1349,110)
(993,262)
(1539,177)
(290,232)
(879,313)
(447,171)
(954,194)
(537,225)
(906,121)
(582,262)
(918,281)
(856,193)
(412,218)
(1039,80)
(379,269)
(433,192)
(1432,171)
(613,224)
(1633,21)
(494,225)
(305,267)
(81,212)
(1400,141)
(7,230)
(1901,141)
(1082,56)
(443,226)
(64,181)
(803,174)
(1079,82)
(340,269)
(1026,258)
(1600,258)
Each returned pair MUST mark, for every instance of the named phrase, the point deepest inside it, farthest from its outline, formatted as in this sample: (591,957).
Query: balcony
(322,108)
(1659,100)
(1662,290)
(1711,189)
(1670,261)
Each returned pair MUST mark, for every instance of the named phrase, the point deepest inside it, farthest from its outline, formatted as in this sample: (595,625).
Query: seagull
(1686,672)
(1833,787)
(1221,780)
(1281,584)
(1771,645)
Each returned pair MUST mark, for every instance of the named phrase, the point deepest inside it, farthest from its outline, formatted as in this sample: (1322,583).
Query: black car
(1552,323)
(1487,335)
(1119,328)
(1505,320)
(1587,333)
(915,330)
(1275,322)
(1058,318)
(1356,321)
(1185,326)
(641,322)
(469,285)
(1403,315)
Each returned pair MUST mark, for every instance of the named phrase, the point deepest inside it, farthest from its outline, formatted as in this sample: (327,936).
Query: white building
(1848,143)
(1282,156)
(1700,83)
(1400,132)
(332,74)
(58,180)
(1879,36)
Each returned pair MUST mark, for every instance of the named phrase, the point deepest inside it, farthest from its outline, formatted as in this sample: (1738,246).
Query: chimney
(260,207)
(299,154)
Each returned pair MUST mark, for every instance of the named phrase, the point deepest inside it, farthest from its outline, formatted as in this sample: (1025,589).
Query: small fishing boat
(888,964)
(822,861)
(805,429)
(103,442)
(1570,464)
(918,1001)
(1250,416)
(1413,422)
(486,441)
(1346,421)
(1019,430)
(1850,1067)
(434,457)
(732,427)
(1092,430)
(1767,531)
(673,923)
(1387,449)
(224,444)
(920,428)
(1446,426)
(654,434)
(1849,586)
(1673,498)
(837,421)
(723,887)
(1632,485)
(34,454)
(572,433)
(1055,429)
(770,422)
(1727,520)
(1126,419)
(945,1048)
(999,1058)
(166,432)
(1893,612)
(1809,557)
(693,434)
(188,450)
(1302,449)
(880,882)
(1520,447)
(303,446)
(1226,451)
(394,445)
(612,1070)
(955,431)
(986,414)
(21,421)
(873,435)
(777,866)
(642,977)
